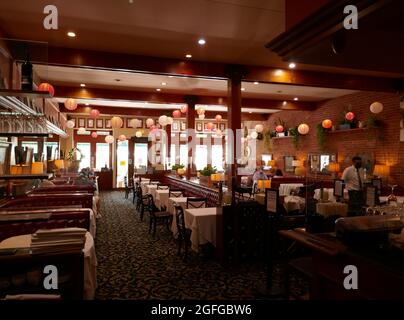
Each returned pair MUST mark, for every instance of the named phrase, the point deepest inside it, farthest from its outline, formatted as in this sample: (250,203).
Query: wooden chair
(134,189)
(127,188)
(156,216)
(184,234)
(144,205)
(196,202)
(139,194)
(176,193)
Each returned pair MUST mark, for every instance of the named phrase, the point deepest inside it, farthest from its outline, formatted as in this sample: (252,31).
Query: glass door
(122,153)
(140,154)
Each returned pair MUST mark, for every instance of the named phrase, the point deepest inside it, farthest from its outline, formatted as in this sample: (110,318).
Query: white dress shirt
(351,179)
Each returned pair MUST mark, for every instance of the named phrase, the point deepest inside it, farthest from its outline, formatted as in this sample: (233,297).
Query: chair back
(162,187)
(154,182)
(176,193)
(196,202)
(125,181)
(180,220)
(152,208)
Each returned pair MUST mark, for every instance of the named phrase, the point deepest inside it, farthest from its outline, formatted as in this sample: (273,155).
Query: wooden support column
(235,75)
(168,153)
(191,102)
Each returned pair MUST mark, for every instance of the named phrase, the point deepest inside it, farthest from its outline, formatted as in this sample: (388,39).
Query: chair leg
(154,227)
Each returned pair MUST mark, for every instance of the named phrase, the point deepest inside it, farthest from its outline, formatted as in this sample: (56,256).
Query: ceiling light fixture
(256,82)
(202,42)
(171,76)
(71,34)
(164,83)
(242,89)
(292,65)
(158,89)
(188,56)
(82,85)
(296,99)
(87,104)
(284,103)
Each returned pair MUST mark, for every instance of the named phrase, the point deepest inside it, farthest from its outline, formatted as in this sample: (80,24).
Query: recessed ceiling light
(71,34)
(296,99)
(279,72)
(188,56)
(146,102)
(87,104)
(158,89)
(250,112)
(202,42)
(292,65)
(164,83)
(284,103)
(171,76)
(256,82)
(242,89)
(82,85)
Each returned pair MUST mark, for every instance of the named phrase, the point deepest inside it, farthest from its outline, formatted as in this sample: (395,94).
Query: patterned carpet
(133,265)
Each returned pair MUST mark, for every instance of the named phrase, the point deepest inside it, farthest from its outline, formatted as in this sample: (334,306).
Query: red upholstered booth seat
(83,200)
(65,188)
(276,182)
(64,219)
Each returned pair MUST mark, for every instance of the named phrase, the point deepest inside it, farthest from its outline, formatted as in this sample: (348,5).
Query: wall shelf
(282,137)
(349,130)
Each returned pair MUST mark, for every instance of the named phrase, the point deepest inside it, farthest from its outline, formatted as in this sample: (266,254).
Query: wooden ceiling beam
(161,97)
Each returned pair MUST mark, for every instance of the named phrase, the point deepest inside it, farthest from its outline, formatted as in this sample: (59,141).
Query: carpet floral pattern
(133,265)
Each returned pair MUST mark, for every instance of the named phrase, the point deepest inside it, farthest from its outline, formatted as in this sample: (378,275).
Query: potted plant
(74,157)
(321,136)
(178,169)
(205,173)
(294,133)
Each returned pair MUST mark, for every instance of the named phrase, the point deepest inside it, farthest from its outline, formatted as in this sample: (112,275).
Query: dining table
(90,260)
(286,188)
(161,198)
(181,201)
(202,223)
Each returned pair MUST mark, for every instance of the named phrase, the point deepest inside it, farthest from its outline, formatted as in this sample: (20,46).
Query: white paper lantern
(303,129)
(149,122)
(138,134)
(259,128)
(163,120)
(116,122)
(201,116)
(71,104)
(170,121)
(254,135)
(109,139)
(376,107)
(70,124)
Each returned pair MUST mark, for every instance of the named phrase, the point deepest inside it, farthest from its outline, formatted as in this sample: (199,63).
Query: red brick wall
(388,151)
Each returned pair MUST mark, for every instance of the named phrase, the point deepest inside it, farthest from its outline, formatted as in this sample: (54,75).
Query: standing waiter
(353,177)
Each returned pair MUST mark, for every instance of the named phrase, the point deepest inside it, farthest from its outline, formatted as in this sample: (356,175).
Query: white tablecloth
(400,199)
(90,260)
(161,199)
(329,194)
(202,223)
(286,188)
(151,188)
(327,209)
(292,203)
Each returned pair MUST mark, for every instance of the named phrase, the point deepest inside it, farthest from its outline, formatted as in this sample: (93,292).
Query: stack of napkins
(58,240)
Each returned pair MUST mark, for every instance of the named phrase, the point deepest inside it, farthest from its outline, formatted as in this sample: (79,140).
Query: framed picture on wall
(176,126)
(108,124)
(140,124)
(90,123)
(99,123)
(199,126)
(183,125)
(288,167)
(222,126)
(127,123)
(82,122)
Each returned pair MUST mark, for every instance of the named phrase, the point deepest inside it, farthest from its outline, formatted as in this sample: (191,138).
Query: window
(172,156)
(201,156)
(102,155)
(30,144)
(53,146)
(85,149)
(140,156)
(265,159)
(217,157)
(184,154)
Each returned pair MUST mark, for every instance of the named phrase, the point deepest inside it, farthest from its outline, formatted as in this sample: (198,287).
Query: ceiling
(94,78)
(236,31)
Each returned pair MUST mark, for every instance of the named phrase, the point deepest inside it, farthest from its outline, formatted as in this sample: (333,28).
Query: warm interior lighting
(82,85)
(164,83)
(37,168)
(271,163)
(264,184)
(188,56)
(295,99)
(202,42)
(334,167)
(158,89)
(381,170)
(284,103)
(242,89)
(292,65)
(60,163)
(71,34)
(297,163)
(256,82)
